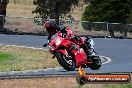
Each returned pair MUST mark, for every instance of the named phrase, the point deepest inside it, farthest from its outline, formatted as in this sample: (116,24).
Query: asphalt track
(119,50)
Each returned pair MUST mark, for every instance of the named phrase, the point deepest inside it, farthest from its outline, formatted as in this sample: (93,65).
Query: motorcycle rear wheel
(96,63)
(62,61)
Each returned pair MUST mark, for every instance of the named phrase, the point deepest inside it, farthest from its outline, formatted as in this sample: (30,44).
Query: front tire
(63,61)
(96,63)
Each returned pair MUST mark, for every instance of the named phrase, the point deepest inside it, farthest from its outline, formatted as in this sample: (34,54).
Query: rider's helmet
(51,26)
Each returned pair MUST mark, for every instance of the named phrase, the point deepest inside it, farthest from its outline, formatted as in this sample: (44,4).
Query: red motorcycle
(68,54)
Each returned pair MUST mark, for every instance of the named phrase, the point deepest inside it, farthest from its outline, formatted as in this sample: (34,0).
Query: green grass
(5,57)
(17,59)
(6,61)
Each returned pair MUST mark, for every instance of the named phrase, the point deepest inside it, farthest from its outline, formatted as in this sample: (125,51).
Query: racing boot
(87,51)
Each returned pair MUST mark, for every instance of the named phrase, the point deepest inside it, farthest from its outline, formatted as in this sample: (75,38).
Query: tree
(117,11)
(3,6)
(53,8)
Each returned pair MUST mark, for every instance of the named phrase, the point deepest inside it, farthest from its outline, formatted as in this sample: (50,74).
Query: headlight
(58,41)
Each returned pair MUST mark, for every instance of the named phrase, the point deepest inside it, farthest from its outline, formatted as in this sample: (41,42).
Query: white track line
(22,47)
(108,59)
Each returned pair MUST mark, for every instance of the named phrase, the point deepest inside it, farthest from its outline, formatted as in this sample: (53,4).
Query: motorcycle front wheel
(66,62)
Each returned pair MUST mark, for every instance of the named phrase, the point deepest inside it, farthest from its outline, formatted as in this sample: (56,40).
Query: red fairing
(80,57)
(79,54)
(64,43)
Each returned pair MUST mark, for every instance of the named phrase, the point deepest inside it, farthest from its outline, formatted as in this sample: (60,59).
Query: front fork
(63,51)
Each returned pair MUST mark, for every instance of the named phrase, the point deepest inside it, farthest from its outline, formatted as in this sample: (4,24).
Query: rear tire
(61,59)
(96,63)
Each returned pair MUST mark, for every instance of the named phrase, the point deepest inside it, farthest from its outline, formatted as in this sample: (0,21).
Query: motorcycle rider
(52,28)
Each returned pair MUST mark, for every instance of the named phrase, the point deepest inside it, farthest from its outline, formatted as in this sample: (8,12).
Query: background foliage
(112,11)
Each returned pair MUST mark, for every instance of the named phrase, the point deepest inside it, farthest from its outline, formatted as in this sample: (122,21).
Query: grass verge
(17,59)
